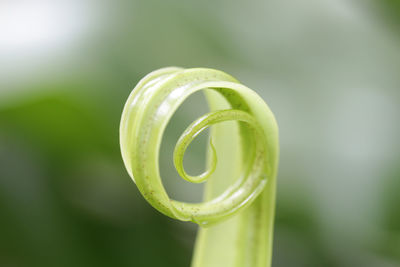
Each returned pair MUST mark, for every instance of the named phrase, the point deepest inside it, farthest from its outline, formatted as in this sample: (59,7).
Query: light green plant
(237,214)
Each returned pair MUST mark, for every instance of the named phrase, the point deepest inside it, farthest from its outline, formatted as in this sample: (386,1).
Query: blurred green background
(329,70)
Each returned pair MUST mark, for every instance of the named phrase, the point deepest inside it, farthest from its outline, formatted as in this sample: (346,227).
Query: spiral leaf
(144,119)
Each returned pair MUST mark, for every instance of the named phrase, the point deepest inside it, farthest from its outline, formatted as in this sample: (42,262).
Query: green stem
(244,182)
